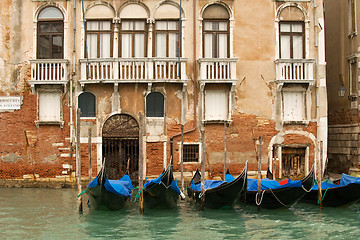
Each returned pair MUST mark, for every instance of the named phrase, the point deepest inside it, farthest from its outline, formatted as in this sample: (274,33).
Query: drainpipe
(71,82)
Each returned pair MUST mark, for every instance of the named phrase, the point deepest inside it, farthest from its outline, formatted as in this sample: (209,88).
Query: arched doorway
(120,136)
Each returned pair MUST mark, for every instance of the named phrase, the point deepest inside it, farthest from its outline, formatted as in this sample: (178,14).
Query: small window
(191,153)
(50,106)
(155,105)
(50,35)
(216,105)
(87,105)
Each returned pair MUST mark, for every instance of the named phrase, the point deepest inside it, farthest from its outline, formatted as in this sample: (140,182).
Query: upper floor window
(133,38)
(155,104)
(86,102)
(215,32)
(292,40)
(99,38)
(50,34)
(167,38)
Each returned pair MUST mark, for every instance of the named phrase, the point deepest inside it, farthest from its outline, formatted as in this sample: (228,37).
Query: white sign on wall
(10,103)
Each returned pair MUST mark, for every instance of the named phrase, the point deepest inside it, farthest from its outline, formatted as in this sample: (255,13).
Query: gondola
(109,194)
(335,195)
(274,195)
(162,192)
(217,193)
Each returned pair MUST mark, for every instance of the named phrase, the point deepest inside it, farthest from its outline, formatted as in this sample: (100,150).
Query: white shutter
(216,105)
(293,106)
(49,106)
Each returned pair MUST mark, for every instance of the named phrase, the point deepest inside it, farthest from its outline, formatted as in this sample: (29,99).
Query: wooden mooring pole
(320,176)
(203,157)
(78,159)
(225,140)
(89,145)
(141,166)
(259,176)
(182,157)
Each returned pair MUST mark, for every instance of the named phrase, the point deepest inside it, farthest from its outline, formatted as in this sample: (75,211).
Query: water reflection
(52,214)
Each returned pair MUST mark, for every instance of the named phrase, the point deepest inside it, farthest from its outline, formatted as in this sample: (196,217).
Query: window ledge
(39,123)
(228,121)
(296,122)
(88,118)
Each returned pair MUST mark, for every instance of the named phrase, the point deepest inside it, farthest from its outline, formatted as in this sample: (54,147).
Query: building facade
(342,55)
(223,73)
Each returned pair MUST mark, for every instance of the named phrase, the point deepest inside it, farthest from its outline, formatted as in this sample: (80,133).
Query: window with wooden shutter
(293,106)
(49,106)
(216,105)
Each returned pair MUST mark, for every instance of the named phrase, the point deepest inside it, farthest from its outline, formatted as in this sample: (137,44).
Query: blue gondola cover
(123,186)
(157,180)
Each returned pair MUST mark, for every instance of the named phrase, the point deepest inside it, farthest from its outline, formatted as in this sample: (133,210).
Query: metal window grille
(191,153)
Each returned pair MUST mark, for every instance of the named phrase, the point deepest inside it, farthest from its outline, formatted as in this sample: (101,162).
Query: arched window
(291,33)
(166,40)
(155,105)
(87,103)
(133,31)
(216,32)
(50,34)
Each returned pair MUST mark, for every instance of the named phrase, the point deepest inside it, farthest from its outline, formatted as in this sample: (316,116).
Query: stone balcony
(218,70)
(295,70)
(132,70)
(49,71)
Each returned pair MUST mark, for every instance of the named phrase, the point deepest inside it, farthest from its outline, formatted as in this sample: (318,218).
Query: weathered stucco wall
(255,99)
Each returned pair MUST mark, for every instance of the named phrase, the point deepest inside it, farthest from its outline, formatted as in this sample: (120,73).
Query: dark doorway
(293,162)
(120,146)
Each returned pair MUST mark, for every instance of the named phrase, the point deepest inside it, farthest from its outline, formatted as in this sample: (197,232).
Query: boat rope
(135,188)
(165,185)
(200,195)
(261,198)
(322,197)
(277,198)
(306,189)
(138,194)
(82,193)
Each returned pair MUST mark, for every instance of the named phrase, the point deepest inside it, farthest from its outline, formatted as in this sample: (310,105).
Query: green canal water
(52,214)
